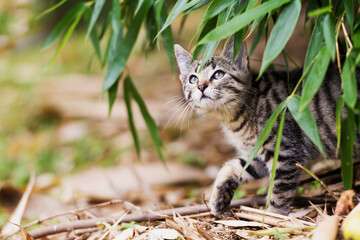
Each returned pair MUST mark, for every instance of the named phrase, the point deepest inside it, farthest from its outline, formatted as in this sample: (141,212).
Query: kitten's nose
(202,87)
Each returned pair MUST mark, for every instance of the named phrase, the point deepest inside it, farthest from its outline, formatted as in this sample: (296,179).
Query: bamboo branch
(317,179)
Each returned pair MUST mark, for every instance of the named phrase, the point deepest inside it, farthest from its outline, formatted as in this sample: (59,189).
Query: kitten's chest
(242,141)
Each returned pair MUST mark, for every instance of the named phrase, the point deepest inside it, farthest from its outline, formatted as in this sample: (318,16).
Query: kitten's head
(221,84)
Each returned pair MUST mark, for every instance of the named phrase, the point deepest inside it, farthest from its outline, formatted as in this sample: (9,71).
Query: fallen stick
(159,215)
(146,216)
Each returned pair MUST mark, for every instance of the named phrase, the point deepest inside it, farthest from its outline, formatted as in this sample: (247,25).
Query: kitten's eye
(218,74)
(193,79)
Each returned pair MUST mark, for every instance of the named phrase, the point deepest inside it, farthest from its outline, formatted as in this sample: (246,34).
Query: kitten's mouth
(205,97)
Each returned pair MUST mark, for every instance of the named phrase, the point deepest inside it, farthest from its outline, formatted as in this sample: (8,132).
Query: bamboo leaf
(251,4)
(264,133)
(348,80)
(314,43)
(139,5)
(348,129)
(167,38)
(63,24)
(150,123)
(306,121)
(112,94)
(211,24)
(95,15)
(320,11)
(281,33)
(51,9)
(180,6)
(241,21)
(349,13)
(255,23)
(93,35)
(197,6)
(276,156)
(65,38)
(215,8)
(315,78)
(339,107)
(329,34)
(116,16)
(258,35)
(127,99)
(356,38)
(124,46)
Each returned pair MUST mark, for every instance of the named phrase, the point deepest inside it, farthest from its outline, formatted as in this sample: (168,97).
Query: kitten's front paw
(221,196)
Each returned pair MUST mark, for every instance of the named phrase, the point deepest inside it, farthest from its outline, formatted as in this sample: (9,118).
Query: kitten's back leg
(285,185)
(229,179)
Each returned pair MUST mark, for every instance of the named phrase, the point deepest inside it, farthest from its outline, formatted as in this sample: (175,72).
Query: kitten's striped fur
(243,106)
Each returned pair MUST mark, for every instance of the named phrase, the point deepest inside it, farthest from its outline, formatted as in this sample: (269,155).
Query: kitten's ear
(183,59)
(241,60)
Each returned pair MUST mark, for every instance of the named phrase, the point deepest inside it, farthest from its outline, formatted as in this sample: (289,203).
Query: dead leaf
(165,233)
(204,234)
(327,228)
(345,203)
(240,223)
(16,217)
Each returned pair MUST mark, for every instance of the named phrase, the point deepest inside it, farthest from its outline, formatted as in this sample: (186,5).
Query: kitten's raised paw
(222,195)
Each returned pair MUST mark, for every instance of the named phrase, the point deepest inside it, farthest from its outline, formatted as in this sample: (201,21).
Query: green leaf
(251,4)
(347,144)
(65,38)
(51,9)
(339,107)
(349,13)
(116,16)
(104,26)
(258,35)
(107,49)
(241,21)
(216,7)
(150,123)
(281,33)
(93,35)
(63,24)
(139,5)
(349,82)
(112,94)
(167,39)
(329,34)
(276,156)
(124,46)
(211,47)
(211,24)
(264,133)
(356,38)
(320,11)
(315,42)
(127,99)
(306,121)
(255,24)
(315,78)
(197,6)
(178,8)
(95,14)
(238,39)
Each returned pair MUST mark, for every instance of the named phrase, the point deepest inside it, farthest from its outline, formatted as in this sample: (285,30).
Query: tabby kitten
(226,90)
